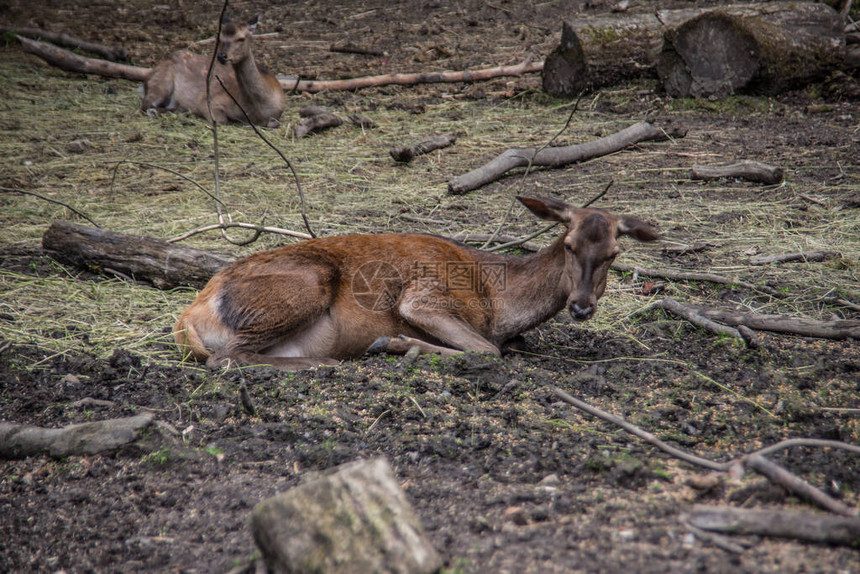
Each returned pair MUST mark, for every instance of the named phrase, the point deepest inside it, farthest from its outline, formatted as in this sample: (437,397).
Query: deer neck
(535,290)
(250,80)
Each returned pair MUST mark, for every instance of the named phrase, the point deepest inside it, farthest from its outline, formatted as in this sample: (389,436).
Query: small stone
(78,146)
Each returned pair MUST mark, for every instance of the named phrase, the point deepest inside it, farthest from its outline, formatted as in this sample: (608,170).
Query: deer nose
(581,313)
(222,57)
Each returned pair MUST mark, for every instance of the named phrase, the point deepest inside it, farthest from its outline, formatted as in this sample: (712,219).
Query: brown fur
(323,300)
(179,83)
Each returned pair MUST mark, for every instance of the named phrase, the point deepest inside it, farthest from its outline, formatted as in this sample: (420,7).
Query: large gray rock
(352,519)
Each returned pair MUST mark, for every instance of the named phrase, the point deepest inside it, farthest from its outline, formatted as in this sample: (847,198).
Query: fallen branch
(311,86)
(738,324)
(112,53)
(692,276)
(836,329)
(804,256)
(715,539)
(252,226)
(753,460)
(314,119)
(795,484)
(72,62)
(505,240)
(749,170)
(20,441)
(557,156)
(719,279)
(408,153)
(807,526)
(692,315)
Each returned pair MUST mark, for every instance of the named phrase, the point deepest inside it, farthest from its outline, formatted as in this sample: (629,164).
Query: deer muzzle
(579,312)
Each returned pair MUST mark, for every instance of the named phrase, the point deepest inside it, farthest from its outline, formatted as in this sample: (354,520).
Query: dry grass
(352,185)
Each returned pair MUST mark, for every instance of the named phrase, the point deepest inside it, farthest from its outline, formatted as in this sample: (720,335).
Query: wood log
(596,52)
(72,62)
(822,528)
(155,261)
(407,153)
(602,51)
(557,156)
(314,119)
(749,170)
(768,49)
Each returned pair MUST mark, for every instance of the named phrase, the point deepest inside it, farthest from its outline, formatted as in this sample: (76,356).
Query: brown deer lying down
(330,299)
(179,83)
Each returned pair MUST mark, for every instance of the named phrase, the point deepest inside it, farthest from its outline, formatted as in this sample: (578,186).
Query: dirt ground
(504,476)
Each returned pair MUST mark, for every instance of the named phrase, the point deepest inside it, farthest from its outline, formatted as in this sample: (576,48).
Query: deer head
(235,41)
(590,246)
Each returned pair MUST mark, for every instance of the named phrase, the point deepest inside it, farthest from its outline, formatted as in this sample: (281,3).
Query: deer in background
(179,83)
(330,299)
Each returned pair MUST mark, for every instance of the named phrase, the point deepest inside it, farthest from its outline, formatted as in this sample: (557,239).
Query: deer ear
(547,208)
(637,229)
(253,23)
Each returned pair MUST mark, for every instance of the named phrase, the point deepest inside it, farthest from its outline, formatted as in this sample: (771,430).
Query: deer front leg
(446,327)
(402,344)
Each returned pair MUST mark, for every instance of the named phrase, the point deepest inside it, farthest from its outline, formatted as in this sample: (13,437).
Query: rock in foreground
(352,519)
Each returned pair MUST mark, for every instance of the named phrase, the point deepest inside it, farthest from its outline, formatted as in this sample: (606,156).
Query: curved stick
(556,156)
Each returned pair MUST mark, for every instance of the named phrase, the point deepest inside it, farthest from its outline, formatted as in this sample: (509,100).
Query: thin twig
(48,199)
(528,170)
(213,124)
(258,228)
(168,170)
(636,431)
(522,240)
(599,195)
(527,238)
(277,151)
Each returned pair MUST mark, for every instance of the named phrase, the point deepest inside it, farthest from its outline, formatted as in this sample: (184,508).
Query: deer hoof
(380,345)
(218,362)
